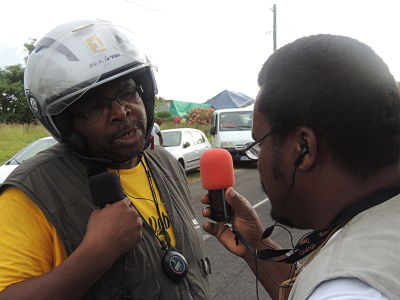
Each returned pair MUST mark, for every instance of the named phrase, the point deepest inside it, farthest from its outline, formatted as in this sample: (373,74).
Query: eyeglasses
(252,149)
(102,108)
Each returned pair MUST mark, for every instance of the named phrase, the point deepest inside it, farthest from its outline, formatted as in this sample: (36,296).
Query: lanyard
(315,238)
(165,242)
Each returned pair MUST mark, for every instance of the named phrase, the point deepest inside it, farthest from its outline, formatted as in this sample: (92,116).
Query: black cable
(163,227)
(290,276)
(163,230)
(256,269)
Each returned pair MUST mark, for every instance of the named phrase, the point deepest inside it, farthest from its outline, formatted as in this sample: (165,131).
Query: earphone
(303,152)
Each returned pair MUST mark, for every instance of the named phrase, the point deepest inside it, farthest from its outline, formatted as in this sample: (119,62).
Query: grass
(14,137)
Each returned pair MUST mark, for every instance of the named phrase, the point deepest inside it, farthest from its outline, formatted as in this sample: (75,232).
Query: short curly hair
(341,89)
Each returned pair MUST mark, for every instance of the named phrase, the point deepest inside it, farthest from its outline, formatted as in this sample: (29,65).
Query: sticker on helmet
(95,44)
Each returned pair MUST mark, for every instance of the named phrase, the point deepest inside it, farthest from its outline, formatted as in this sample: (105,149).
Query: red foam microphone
(217,174)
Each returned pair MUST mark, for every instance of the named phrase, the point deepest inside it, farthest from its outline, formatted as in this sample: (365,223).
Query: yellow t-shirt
(137,187)
(29,243)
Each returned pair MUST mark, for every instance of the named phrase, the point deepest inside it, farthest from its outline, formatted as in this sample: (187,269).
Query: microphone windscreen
(216,169)
(105,189)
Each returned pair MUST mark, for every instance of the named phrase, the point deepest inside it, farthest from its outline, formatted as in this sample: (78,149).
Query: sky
(201,48)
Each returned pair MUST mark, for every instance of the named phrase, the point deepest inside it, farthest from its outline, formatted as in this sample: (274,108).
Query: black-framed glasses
(102,107)
(252,149)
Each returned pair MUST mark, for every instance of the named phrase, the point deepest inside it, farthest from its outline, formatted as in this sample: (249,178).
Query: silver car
(29,151)
(186,145)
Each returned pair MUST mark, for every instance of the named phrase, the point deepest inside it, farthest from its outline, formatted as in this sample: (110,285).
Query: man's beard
(277,176)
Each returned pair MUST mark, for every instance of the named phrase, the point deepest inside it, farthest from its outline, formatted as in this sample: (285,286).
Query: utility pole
(274,25)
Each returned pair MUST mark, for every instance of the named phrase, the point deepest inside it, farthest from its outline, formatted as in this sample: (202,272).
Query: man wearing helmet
(94,91)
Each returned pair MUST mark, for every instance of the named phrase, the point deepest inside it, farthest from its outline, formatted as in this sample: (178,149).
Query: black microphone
(105,189)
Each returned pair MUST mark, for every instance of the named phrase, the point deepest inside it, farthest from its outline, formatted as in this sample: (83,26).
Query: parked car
(29,151)
(231,129)
(186,145)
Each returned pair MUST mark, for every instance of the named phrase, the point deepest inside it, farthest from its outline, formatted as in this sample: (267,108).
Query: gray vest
(366,248)
(56,180)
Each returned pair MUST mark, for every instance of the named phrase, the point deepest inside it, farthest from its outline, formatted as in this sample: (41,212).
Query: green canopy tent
(181,108)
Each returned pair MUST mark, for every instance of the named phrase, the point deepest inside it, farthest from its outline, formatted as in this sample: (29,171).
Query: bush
(164,116)
(177,120)
(200,116)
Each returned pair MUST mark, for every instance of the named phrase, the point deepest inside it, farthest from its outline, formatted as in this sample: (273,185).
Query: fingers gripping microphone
(216,171)
(105,189)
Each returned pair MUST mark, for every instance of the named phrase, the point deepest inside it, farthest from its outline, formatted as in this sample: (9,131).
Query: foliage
(13,105)
(199,115)
(165,116)
(177,120)
(160,99)
(29,48)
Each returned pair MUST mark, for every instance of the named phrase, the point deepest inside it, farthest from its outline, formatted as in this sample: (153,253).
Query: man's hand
(113,230)
(244,219)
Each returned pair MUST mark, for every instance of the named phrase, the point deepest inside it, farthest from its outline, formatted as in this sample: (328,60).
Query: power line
(146,7)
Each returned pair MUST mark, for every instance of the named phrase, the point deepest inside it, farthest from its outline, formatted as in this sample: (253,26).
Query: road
(231,278)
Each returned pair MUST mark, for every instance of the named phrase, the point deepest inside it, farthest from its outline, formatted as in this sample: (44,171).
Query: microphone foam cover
(216,169)
(105,189)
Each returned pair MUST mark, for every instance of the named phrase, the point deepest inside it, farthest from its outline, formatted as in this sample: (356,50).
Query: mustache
(125,128)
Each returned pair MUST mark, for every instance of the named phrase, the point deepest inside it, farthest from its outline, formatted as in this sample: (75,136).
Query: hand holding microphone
(116,227)
(216,170)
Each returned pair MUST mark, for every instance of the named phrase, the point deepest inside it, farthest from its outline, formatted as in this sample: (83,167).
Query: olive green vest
(56,180)
(366,248)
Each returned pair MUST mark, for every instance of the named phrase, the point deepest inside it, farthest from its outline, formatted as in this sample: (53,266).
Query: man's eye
(129,96)
(100,106)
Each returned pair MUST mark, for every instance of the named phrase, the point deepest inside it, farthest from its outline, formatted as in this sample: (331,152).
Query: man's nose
(118,110)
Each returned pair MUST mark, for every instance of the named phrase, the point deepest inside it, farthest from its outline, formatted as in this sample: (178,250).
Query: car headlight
(228,145)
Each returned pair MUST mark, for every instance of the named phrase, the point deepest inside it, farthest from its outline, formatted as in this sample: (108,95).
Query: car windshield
(172,138)
(31,150)
(234,121)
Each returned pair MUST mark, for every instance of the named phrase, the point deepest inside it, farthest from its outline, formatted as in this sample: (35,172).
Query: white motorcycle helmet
(76,57)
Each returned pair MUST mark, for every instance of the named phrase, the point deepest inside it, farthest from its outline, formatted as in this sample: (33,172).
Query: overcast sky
(204,47)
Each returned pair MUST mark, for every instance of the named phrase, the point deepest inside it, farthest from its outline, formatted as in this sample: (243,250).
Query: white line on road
(207,236)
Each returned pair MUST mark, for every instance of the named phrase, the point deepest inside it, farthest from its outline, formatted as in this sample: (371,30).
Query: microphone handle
(220,210)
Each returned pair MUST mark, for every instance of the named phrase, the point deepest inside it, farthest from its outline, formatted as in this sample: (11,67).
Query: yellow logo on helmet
(95,44)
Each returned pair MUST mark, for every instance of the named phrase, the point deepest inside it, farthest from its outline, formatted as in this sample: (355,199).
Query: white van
(231,129)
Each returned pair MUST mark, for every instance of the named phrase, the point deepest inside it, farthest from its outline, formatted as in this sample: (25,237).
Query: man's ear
(306,149)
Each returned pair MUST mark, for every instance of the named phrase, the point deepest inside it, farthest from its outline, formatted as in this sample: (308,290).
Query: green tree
(29,48)
(13,105)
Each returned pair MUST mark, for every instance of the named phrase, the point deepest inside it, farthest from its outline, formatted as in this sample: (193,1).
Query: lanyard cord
(314,241)
(163,227)
(166,242)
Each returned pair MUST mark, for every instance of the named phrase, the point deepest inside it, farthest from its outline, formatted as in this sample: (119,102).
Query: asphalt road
(231,278)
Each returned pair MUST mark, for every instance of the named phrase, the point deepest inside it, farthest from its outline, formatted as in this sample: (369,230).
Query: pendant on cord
(174,265)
